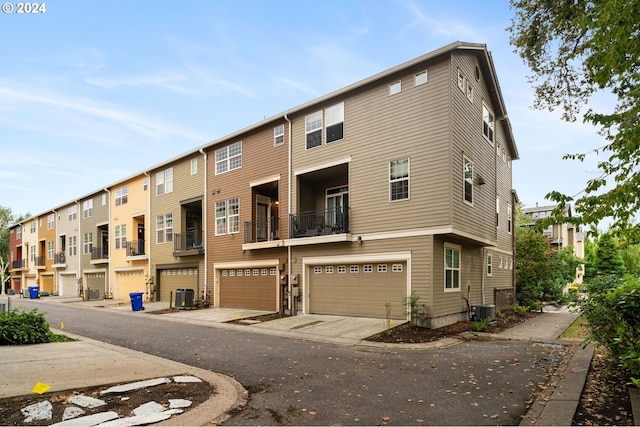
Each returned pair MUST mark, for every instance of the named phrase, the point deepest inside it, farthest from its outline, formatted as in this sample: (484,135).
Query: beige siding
(379,128)
(186,187)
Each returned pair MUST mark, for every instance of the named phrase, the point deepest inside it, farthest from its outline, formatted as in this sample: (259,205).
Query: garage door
(172,279)
(129,281)
(249,288)
(68,287)
(46,283)
(358,289)
(96,281)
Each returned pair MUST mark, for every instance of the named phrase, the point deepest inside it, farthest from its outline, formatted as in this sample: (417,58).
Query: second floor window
(228,216)
(50,250)
(164,228)
(399,179)
(87,208)
(120,234)
(229,158)
(87,243)
(122,196)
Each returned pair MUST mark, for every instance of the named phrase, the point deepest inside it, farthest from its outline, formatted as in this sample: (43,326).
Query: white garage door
(367,290)
(68,288)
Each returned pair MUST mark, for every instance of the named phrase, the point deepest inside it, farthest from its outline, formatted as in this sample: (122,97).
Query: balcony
(187,244)
(39,263)
(319,223)
(19,264)
(135,250)
(261,230)
(59,260)
(99,254)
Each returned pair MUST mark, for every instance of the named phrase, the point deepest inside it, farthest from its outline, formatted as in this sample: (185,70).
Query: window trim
(465,180)
(312,125)
(278,132)
(121,195)
(194,166)
(395,87)
(416,76)
(406,178)
(228,159)
(489,270)
(87,209)
(490,126)
(458,249)
(225,221)
(509,218)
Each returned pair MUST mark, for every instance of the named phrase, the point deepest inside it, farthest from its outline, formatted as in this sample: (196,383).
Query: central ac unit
(484,311)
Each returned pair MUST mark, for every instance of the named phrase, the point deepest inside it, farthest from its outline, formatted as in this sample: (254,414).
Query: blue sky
(92,92)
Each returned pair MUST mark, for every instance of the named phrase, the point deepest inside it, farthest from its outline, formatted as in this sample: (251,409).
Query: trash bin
(33,292)
(136,301)
(184,298)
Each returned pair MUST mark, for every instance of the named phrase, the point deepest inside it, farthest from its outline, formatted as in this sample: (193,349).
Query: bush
(611,308)
(19,326)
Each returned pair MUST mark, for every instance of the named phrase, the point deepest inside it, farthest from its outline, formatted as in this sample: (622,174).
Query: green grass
(577,331)
(61,338)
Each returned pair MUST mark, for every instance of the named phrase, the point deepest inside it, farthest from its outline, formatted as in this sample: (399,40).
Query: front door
(262,218)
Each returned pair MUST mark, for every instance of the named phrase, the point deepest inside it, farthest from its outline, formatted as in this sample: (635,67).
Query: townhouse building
(17,258)
(24,255)
(177,227)
(66,261)
(393,188)
(92,245)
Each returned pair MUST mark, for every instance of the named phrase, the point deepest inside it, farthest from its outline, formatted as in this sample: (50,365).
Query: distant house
(560,235)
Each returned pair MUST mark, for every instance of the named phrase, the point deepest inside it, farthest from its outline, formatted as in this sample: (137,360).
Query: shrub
(611,308)
(19,326)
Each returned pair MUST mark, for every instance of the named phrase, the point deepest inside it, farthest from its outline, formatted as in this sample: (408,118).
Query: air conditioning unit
(184,298)
(483,311)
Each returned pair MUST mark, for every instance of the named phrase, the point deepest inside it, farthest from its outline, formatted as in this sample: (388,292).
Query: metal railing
(262,230)
(99,252)
(19,263)
(187,242)
(59,258)
(39,261)
(319,223)
(135,248)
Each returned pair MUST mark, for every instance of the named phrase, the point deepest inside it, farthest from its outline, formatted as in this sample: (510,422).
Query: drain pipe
(204,226)
(483,273)
(289,275)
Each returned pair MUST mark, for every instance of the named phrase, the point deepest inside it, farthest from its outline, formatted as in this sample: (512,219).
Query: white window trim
(489,269)
(395,88)
(194,166)
(407,178)
(309,120)
(493,123)
(459,269)
(466,160)
(278,132)
(418,76)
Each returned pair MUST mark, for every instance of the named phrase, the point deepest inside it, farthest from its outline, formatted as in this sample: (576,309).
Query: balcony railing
(19,263)
(187,242)
(99,252)
(135,248)
(319,223)
(261,230)
(59,258)
(39,261)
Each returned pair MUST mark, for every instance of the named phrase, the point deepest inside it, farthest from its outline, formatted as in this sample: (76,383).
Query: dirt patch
(197,393)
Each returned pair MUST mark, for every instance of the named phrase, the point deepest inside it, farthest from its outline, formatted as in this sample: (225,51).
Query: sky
(92,92)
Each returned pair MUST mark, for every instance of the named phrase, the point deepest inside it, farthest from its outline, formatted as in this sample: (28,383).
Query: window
(164,228)
(342,269)
(497,212)
(19,232)
(50,250)
(145,184)
(164,182)
(120,236)
(395,87)
(451,268)
(420,78)
(328,269)
(72,212)
(460,80)
(399,179)
(334,117)
(469,92)
(509,218)
(354,269)
(317,270)
(87,243)
(32,227)
(50,221)
(87,208)
(488,124)
(229,158)
(468,181)
(368,268)
(382,268)
(509,162)
(278,135)
(489,265)
(313,129)
(228,216)
(122,196)
(104,199)
(194,166)
(73,245)
(33,253)
(396,268)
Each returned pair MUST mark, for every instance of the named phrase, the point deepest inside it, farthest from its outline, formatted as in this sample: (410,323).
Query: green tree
(7,218)
(574,49)
(590,259)
(608,259)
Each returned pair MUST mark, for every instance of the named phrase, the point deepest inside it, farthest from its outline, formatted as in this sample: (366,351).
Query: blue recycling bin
(34,291)
(136,301)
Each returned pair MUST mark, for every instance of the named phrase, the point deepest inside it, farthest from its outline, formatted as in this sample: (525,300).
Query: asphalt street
(298,382)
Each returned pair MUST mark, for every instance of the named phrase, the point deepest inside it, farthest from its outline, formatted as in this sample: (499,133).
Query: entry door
(140,239)
(263,205)
(337,203)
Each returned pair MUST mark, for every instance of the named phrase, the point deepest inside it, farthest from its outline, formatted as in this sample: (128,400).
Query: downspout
(204,226)
(484,263)
(147,232)
(108,290)
(289,180)
(79,274)
(55,233)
